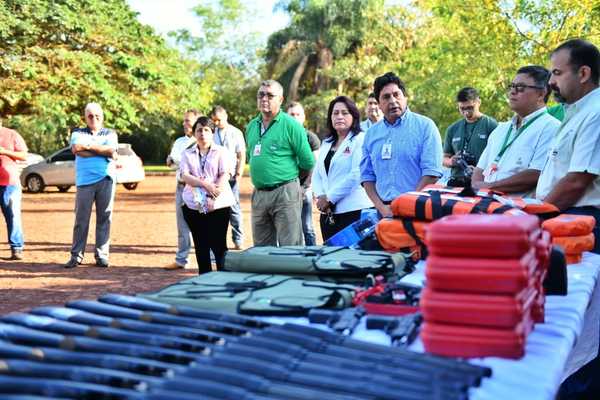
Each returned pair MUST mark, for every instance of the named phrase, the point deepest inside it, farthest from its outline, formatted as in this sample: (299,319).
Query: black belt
(275,186)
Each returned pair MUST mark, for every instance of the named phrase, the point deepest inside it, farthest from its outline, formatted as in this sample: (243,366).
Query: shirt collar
(582,102)
(529,117)
(398,121)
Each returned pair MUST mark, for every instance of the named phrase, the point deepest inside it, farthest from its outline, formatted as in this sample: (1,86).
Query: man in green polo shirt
(467,137)
(278,152)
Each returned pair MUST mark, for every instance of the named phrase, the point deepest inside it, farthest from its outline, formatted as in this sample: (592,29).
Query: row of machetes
(124,347)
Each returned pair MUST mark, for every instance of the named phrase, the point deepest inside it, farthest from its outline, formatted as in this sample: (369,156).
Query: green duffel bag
(255,294)
(322,261)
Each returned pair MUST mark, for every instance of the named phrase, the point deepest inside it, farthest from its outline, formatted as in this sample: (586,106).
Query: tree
(333,47)
(482,43)
(57,56)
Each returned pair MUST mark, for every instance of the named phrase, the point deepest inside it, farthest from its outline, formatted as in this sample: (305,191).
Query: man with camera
(517,149)
(466,138)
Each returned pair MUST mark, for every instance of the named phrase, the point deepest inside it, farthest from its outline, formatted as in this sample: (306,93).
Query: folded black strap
(420,206)
(437,210)
(409,227)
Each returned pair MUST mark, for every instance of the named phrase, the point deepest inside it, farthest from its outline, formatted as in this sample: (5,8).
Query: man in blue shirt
(95,149)
(402,152)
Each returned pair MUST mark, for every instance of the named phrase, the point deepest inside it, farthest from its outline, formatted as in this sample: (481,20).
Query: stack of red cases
(484,284)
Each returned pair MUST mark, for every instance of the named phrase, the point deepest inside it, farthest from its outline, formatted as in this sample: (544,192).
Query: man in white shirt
(571,177)
(516,150)
(232,139)
(184,242)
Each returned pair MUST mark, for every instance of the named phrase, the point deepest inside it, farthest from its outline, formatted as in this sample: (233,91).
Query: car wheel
(64,188)
(35,183)
(130,185)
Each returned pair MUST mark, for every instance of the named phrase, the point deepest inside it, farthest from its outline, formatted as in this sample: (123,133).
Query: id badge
(491,170)
(386,151)
(256,149)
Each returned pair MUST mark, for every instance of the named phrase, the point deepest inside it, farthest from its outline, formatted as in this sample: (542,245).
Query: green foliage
(57,56)
(436,46)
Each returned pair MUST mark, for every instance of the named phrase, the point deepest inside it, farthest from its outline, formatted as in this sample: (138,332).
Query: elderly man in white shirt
(517,149)
(571,177)
(184,241)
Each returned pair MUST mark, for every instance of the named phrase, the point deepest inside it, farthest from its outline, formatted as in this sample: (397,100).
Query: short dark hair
(217,109)
(372,95)
(467,94)
(541,77)
(354,129)
(204,121)
(582,52)
(386,79)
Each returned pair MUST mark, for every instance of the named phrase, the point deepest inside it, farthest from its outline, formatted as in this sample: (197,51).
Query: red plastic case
(460,341)
(481,275)
(486,236)
(502,311)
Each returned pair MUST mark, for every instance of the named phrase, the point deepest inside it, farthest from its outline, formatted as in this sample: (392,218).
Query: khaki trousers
(276,216)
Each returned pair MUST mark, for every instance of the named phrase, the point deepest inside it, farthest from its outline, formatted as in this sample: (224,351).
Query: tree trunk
(324,62)
(295,82)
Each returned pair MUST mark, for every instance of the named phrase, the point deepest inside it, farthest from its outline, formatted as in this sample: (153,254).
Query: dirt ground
(143,240)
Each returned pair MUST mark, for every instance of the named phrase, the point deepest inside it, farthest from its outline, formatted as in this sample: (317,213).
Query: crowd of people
(547,153)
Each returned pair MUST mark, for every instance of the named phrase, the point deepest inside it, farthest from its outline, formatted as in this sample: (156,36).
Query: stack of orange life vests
(414,211)
(573,233)
(484,284)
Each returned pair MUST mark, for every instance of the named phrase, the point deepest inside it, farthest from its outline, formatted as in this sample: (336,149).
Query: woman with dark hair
(207,196)
(336,176)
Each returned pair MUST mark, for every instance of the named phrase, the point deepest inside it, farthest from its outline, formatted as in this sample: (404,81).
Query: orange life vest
(400,234)
(570,225)
(575,244)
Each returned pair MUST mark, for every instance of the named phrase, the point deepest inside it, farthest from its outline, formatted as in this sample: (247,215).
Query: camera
(467,157)
(463,163)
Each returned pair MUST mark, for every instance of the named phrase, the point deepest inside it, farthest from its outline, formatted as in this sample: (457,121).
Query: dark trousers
(330,225)
(209,232)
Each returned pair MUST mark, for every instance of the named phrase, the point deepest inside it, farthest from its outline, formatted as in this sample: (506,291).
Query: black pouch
(556,278)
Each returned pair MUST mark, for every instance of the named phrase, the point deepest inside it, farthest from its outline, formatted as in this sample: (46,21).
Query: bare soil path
(143,240)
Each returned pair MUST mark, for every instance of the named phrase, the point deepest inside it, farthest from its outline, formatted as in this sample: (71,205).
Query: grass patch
(157,168)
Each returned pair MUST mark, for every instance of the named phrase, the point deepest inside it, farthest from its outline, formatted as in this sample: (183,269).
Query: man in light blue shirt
(95,149)
(402,152)
(373,113)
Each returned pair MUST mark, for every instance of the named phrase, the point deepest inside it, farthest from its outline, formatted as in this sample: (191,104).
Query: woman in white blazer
(336,176)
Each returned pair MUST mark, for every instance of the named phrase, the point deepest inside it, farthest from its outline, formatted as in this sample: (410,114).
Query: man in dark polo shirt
(467,137)
(278,152)
(296,111)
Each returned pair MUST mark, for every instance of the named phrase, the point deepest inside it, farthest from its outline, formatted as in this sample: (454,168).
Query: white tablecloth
(554,350)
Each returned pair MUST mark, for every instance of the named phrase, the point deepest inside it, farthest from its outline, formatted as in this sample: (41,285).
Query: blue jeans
(184,241)
(10,197)
(235,218)
(310,239)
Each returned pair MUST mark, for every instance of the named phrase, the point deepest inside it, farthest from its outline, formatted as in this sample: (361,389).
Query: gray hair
(91,107)
(273,84)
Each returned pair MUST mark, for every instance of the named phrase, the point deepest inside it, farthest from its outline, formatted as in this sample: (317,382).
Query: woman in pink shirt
(207,196)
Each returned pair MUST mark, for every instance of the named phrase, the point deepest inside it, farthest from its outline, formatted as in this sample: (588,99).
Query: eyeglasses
(270,96)
(520,87)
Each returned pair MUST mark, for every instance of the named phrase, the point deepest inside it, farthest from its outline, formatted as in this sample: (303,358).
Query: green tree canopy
(57,56)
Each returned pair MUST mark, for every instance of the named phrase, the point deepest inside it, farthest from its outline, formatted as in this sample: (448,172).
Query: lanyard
(467,139)
(507,144)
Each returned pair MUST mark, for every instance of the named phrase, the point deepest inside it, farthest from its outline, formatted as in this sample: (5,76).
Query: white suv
(59,170)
